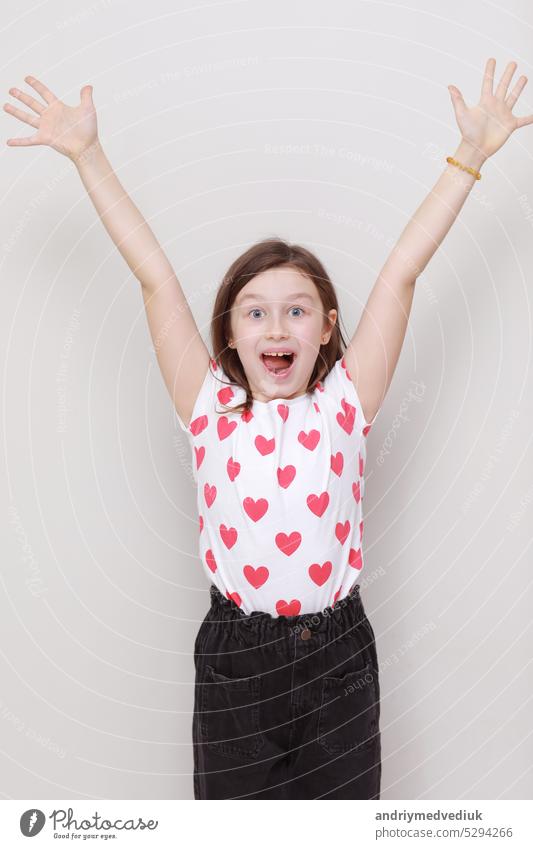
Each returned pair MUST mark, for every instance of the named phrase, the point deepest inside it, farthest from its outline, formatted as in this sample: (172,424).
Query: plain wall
(326,124)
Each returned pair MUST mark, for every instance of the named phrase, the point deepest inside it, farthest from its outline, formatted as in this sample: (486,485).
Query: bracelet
(472,171)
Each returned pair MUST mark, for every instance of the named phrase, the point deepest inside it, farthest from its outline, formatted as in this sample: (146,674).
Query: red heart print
(361,529)
(247,416)
(233,468)
(337,463)
(201,523)
(255,509)
(356,490)
(198,425)
(264,445)
(286,476)
(315,405)
(210,493)
(225,427)
(225,395)
(361,465)
(337,594)
(256,577)
(318,503)
(288,608)
(210,560)
(319,574)
(200,454)
(346,420)
(283,411)
(342,529)
(229,536)
(288,544)
(214,364)
(355,559)
(320,386)
(309,440)
(234,597)
(366,430)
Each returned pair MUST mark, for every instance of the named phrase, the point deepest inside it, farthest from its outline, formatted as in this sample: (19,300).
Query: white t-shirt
(280,493)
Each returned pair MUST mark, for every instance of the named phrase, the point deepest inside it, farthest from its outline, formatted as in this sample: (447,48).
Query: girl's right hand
(70,130)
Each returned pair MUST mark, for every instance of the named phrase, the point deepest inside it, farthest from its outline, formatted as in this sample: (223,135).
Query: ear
(331,318)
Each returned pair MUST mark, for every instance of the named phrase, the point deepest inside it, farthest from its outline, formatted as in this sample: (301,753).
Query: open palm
(68,129)
(488,125)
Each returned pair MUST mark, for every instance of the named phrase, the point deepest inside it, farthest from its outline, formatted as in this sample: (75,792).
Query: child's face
(273,320)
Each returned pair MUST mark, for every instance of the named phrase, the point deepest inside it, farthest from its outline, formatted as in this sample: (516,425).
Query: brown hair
(271,253)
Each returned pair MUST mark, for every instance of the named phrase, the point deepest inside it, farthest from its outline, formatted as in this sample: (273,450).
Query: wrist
(470,155)
(83,157)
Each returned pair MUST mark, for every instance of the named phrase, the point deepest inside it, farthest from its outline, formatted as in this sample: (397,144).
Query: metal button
(306,633)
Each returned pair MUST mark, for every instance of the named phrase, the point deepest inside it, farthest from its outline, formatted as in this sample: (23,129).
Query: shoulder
(338,384)
(215,393)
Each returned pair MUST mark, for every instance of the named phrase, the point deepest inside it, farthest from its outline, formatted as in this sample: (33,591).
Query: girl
(287,696)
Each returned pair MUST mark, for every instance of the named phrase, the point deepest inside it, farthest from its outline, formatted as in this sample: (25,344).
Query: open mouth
(279,366)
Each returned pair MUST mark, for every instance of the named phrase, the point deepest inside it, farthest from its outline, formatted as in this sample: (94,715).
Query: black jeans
(286,707)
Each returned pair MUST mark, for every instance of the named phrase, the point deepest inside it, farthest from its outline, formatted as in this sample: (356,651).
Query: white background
(102,591)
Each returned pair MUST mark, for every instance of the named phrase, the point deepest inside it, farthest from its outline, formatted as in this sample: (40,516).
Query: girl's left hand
(488,125)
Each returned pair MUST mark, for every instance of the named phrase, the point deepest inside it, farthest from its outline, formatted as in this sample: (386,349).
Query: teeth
(277,353)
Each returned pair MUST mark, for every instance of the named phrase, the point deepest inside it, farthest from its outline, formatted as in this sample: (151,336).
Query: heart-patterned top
(280,492)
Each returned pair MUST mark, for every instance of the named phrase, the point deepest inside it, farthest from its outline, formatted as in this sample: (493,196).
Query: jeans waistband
(344,612)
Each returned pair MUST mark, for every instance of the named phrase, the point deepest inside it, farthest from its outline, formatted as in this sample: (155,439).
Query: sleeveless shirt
(280,492)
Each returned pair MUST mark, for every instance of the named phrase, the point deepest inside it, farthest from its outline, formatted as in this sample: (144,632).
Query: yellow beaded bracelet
(472,171)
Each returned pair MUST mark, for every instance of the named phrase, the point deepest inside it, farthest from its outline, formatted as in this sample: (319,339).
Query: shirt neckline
(289,401)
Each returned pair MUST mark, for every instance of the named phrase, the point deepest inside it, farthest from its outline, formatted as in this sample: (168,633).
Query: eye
(258,309)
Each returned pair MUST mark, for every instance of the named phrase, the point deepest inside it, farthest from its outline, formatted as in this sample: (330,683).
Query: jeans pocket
(348,718)
(229,719)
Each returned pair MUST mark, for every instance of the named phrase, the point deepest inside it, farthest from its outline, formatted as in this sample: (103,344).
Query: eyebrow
(256,296)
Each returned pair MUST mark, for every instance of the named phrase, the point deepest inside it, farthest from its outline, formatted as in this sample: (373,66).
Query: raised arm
(181,352)
(374,350)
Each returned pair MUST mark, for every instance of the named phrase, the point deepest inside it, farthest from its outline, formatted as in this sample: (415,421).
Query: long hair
(271,253)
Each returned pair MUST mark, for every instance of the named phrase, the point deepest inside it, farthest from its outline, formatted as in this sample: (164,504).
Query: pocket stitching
(255,737)
(325,739)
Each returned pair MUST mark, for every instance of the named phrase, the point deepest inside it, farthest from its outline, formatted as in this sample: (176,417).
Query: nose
(277,330)
(277,336)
